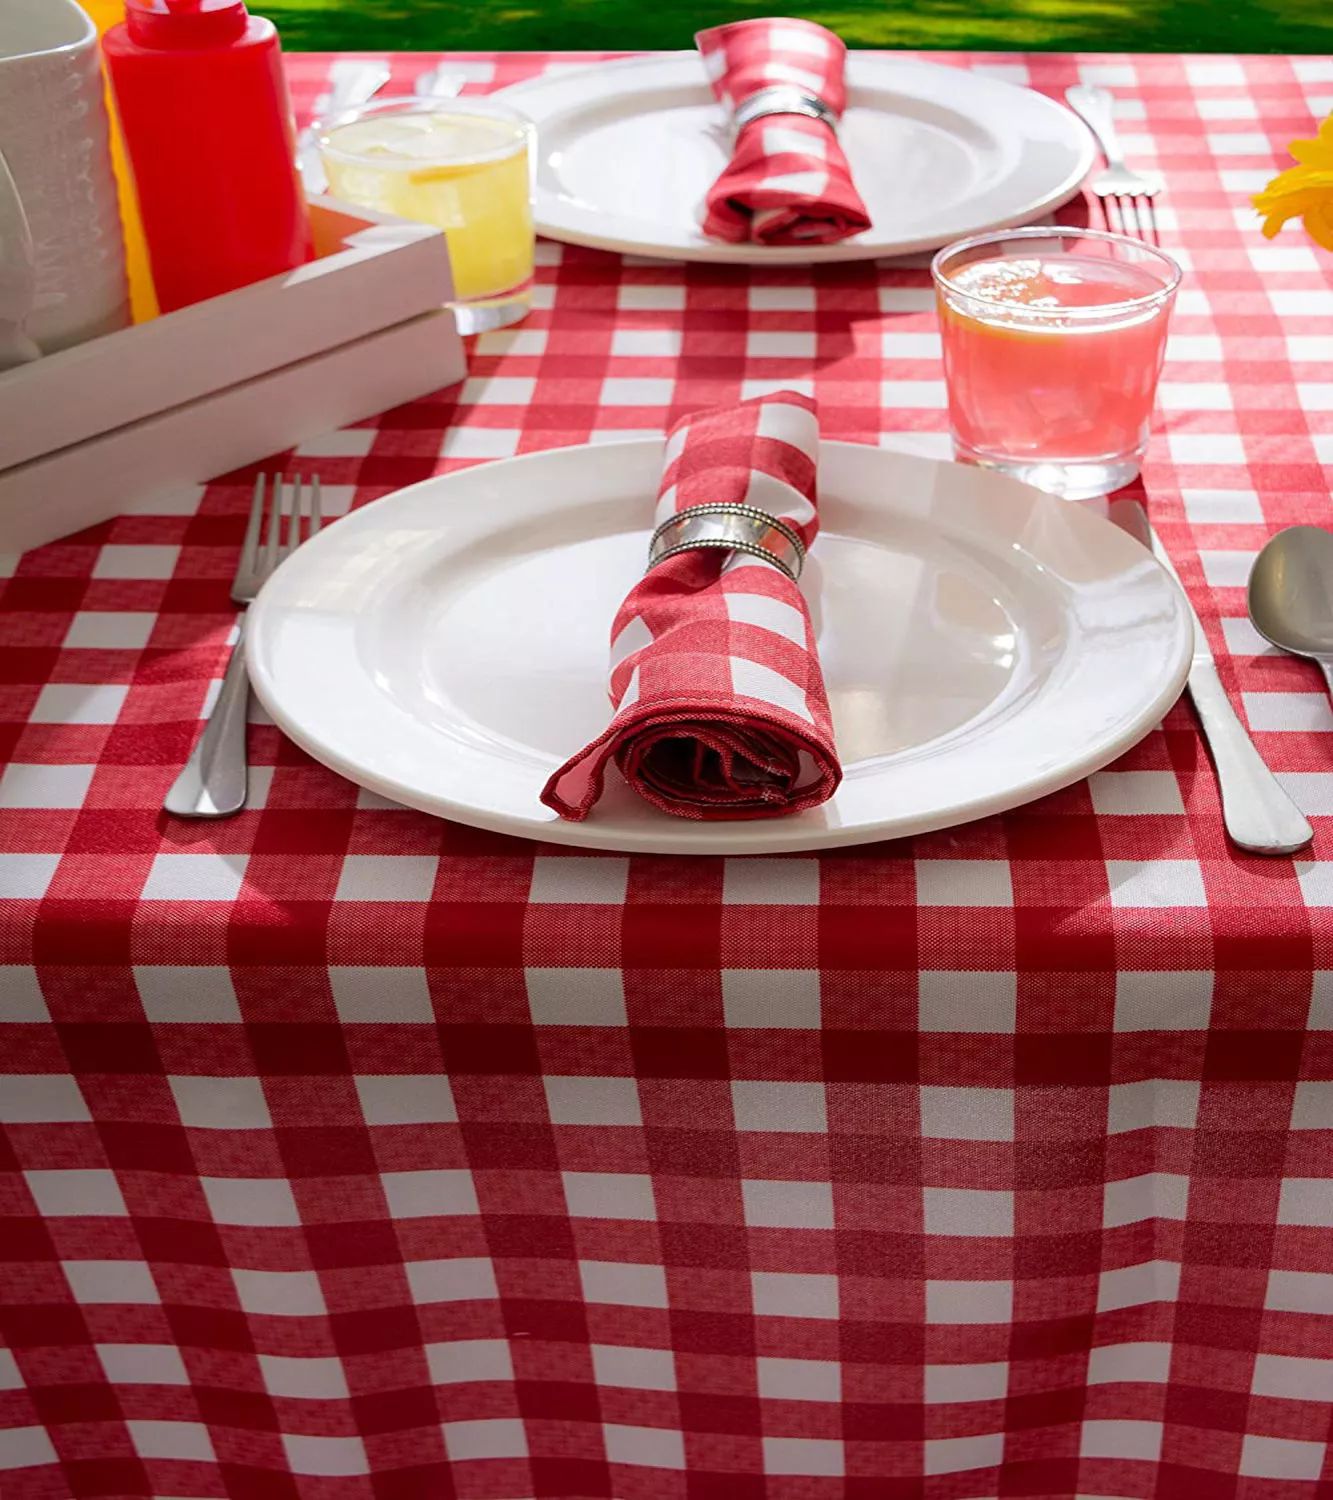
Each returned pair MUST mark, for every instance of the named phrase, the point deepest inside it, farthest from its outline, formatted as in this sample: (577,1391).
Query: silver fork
(1131,192)
(213,783)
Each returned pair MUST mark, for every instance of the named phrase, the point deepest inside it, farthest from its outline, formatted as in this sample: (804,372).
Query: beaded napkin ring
(732,527)
(783,99)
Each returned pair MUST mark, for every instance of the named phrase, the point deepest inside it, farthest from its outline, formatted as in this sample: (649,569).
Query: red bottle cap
(185,24)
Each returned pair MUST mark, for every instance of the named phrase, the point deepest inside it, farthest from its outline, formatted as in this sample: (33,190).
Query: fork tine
(1132,209)
(250,545)
(269,559)
(294,519)
(1141,218)
(1148,218)
(316,513)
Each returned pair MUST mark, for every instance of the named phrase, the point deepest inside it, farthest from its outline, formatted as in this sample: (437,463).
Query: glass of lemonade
(461,164)
(1053,341)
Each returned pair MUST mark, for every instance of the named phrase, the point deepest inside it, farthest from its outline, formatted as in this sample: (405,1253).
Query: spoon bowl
(1291,594)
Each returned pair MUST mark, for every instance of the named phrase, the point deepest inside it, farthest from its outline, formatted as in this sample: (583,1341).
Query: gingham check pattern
(787,181)
(347,1153)
(720,709)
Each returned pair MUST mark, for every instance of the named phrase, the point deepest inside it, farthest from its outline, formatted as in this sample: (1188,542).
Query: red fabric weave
(788,182)
(350,1154)
(720,703)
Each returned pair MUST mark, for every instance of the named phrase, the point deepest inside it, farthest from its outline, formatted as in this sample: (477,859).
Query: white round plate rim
(541,98)
(286,601)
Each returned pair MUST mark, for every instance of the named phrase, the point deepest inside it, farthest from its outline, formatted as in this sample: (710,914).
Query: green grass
(1004,25)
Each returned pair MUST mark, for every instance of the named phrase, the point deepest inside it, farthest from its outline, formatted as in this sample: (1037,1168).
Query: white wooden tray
(196,392)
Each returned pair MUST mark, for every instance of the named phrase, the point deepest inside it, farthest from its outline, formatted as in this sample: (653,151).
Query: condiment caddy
(279,319)
(225,382)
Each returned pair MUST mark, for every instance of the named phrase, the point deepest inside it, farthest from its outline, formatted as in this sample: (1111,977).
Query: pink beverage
(1053,342)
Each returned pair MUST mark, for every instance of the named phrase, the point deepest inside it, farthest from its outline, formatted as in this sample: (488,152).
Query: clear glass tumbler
(461,164)
(1053,342)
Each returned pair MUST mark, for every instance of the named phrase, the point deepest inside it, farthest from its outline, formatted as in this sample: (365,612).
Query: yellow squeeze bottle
(143,299)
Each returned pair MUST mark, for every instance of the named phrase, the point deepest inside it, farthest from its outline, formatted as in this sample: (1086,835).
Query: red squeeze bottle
(208,129)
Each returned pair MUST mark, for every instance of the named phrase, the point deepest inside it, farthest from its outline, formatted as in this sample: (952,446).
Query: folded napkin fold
(720,709)
(788,182)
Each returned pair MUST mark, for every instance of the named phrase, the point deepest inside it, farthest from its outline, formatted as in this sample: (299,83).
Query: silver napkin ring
(733,528)
(783,99)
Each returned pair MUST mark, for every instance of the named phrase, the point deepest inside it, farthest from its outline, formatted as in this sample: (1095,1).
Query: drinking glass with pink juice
(1053,341)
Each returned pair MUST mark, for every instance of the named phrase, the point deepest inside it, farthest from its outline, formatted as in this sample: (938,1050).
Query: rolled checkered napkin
(720,709)
(788,182)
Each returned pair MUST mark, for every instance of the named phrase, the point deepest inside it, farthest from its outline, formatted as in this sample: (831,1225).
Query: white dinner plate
(983,644)
(627,150)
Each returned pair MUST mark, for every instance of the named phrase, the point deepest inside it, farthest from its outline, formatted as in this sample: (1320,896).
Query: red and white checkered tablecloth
(346,1153)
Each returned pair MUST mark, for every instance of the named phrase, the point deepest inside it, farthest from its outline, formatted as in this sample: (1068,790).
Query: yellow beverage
(461,165)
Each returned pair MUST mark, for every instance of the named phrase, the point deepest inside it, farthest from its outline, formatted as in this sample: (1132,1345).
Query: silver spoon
(1291,594)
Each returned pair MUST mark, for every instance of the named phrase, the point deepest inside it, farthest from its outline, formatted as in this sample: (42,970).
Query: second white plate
(983,644)
(627,150)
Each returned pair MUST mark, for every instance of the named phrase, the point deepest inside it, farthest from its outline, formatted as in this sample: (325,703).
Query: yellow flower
(1305,191)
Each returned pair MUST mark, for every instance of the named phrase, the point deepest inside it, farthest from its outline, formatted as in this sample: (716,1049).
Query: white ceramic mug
(18,276)
(55,136)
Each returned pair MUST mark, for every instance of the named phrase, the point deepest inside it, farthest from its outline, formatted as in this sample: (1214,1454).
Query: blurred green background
(1010,25)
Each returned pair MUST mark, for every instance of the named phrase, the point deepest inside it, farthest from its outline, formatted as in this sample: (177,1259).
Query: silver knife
(1258,814)
(439,83)
(352,81)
